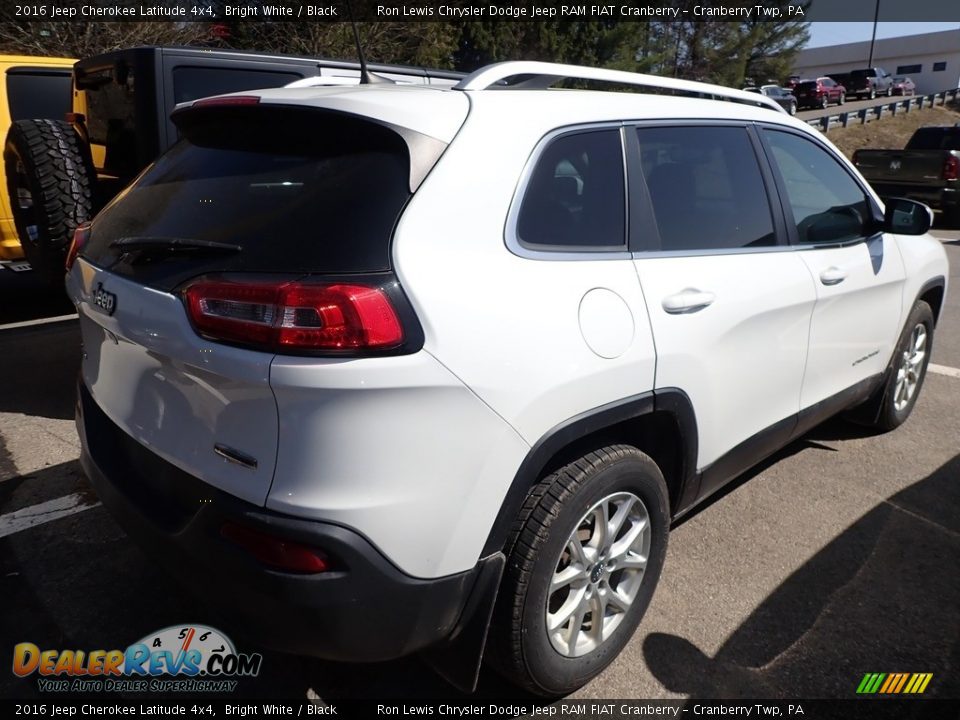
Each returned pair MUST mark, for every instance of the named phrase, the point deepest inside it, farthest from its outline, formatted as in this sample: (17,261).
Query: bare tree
(76,39)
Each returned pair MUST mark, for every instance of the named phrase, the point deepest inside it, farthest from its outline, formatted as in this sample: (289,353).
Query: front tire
(907,369)
(583,563)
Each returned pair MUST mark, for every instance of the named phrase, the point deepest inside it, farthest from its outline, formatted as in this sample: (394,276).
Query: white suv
(397,368)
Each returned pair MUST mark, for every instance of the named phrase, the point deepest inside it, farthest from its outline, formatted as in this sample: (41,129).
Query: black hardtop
(197,55)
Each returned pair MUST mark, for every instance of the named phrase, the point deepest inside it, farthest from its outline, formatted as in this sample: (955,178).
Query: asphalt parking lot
(837,557)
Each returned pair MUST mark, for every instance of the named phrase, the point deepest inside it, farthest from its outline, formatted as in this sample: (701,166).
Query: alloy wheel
(598,574)
(911,368)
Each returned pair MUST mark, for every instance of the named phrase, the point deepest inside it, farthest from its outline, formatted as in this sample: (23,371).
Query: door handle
(687,301)
(833,275)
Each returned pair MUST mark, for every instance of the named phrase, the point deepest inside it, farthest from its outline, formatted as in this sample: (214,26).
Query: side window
(706,188)
(827,204)
(190,83)
(38,94)
(575,197)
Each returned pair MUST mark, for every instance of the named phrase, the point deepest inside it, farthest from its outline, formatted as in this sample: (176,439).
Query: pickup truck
(927,169)
(870,82)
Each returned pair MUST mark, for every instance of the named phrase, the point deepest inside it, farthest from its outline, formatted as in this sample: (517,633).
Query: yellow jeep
(30,87)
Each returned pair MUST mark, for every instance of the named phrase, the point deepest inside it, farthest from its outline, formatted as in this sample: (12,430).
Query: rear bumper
(363,610)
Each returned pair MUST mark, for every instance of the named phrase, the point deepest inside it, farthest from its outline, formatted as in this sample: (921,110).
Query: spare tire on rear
(50,176)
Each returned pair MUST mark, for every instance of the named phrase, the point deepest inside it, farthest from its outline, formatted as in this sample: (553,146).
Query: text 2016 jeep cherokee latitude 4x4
(412,369)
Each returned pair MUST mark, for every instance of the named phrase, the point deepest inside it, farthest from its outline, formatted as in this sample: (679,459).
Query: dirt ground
(892,133)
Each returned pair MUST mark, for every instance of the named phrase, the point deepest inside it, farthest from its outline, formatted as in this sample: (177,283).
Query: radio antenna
(365,77)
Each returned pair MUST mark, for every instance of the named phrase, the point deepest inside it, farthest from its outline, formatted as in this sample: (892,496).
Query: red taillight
(80,237)
(294,315)
(951,168)
(275,552)
(227,100)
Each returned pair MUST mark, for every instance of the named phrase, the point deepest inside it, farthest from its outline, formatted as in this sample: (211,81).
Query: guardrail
(878,112)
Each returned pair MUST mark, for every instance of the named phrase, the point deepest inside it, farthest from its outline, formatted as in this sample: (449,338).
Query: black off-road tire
(50,178)
(889,416)
(519,646)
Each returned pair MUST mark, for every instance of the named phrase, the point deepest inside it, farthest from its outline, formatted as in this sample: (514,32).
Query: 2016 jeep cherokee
(403,369)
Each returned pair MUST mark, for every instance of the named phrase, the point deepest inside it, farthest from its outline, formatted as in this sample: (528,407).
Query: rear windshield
(935,138)
(297,191)
(863,73)
(809,85)
(35,94)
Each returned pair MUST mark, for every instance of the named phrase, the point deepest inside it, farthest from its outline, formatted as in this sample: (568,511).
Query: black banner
(459,11)
(586,709)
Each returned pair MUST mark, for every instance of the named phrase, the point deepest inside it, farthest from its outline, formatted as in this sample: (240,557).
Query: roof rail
(542,75)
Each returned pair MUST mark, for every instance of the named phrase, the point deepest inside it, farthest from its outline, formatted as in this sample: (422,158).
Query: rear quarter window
(38,93)
(576,194)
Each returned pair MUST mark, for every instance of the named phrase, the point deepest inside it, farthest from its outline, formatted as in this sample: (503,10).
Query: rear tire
(951,217)
(563,568)
(872,94)
(842,100)
(908,368)
(824,102)
(50,176)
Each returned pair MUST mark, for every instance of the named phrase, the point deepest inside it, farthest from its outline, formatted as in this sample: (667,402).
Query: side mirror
(906,217)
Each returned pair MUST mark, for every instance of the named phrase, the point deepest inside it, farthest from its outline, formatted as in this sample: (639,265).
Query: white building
(931,60)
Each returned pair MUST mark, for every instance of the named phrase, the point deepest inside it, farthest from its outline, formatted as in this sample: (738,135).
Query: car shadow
(81,583)
(884,596)
(25,296)
(39,366)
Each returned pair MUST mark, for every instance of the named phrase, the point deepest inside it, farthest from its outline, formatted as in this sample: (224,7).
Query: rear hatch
(252,197)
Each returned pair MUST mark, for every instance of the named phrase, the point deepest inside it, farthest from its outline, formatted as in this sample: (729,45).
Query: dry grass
(891,133)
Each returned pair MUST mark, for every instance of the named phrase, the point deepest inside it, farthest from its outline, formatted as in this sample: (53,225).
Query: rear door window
(323,195)
(37,93)
(706,188)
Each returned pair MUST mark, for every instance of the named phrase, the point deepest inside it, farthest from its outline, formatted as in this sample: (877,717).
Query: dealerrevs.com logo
(180,658)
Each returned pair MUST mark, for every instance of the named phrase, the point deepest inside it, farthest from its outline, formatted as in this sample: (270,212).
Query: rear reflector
(80,237)
(294,315)
(275,552)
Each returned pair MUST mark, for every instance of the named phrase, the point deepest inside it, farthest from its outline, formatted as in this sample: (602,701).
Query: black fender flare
(671,401)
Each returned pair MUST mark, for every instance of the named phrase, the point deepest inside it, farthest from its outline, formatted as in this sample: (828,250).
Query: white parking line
(41,321)
(44,512)
(944,370)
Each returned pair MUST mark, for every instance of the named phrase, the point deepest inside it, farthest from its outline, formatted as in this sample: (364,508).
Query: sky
(837,33)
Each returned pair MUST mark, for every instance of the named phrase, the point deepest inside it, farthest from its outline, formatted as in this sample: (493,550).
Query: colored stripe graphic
(894,683)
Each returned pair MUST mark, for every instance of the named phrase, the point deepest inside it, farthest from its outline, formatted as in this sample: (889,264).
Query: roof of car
(440,112)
